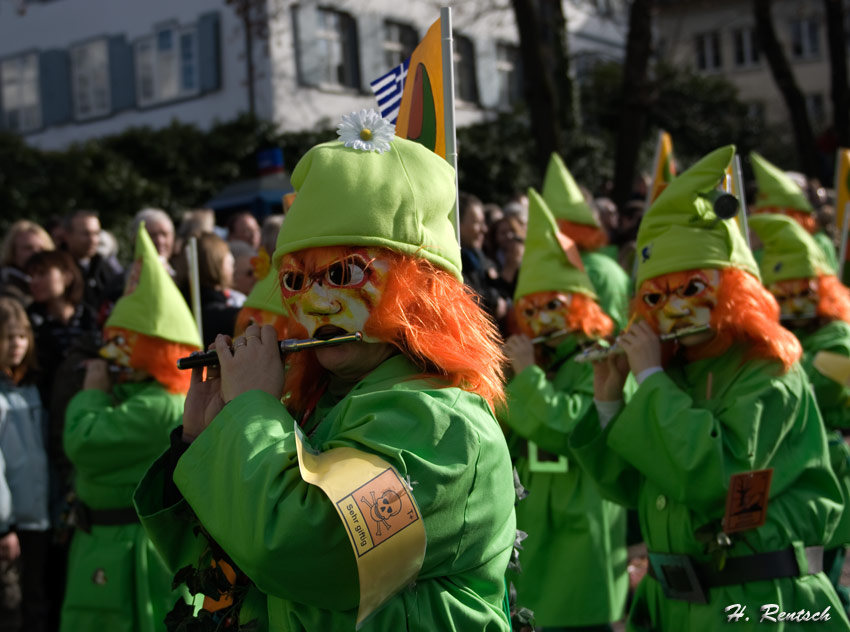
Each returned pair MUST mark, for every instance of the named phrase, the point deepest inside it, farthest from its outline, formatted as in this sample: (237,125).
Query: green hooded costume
(777,191)
(791,253)
(116,579)
(566,202)
(670,451)
(241,477)
(574,559)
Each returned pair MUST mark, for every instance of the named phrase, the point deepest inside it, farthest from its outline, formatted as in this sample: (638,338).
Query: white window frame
(466,81)
(507,73)
(709,50)
(27,110)
(809,45)
(395,49)
(746,37)
(89,78)
(332,43)
(158,66)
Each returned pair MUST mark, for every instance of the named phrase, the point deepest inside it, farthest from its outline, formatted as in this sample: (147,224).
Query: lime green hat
(681,231)
(156,307)
(401,199)
(775,188)
(551,262)
(563,196)
(789,251)
(266,294)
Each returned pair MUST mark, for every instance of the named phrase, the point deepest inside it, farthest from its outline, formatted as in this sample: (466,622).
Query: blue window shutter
(209,52)
(305,20)
(122,74)
(54,76)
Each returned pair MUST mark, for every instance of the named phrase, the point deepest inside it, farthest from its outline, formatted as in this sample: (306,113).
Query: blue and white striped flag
(388,90)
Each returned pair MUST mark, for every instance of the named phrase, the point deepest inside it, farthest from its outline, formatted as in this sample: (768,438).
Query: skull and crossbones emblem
(383,507)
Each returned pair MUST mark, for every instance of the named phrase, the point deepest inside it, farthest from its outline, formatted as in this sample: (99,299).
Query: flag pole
(738,179)
(842,252)
(449,103)
(651,188)
(195,283)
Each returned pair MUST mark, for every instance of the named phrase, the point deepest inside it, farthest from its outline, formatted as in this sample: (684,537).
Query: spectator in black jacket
(479,272)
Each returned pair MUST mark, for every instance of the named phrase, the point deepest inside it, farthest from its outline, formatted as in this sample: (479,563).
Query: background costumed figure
(114,429)
(778,193)
(579,222)
(713,411)
(574,559)
(815,306)
(368,245)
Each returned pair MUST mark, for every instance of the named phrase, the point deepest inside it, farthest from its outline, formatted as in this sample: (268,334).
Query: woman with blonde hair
(24,239)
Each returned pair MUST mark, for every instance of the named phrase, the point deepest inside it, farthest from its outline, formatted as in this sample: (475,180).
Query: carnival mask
(681,300)
(797,298)
(543,314)
(334,295)
(118,345)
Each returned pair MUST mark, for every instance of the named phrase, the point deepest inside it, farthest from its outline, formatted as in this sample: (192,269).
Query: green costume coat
(116,579)
(286,536)
(834,403)
(611,283)
(574,559)
(670,453)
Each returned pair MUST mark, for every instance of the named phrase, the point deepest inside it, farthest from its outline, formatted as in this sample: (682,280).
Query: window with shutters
(167,65)
(336,39)
(21,101)
(466,85)
(746,47)
(508,74)
(708,51)
(805,38)
(90,79)
(399,42)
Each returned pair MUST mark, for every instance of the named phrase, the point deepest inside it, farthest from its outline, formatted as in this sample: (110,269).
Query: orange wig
(586,237)
(427,314)
(583,314)
(255,316)
(157,357)
(745,313)
(804,219)
(833,299)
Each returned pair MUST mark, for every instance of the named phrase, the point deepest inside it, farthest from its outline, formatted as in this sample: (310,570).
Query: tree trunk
(635,100)
(787,84)
(838,70)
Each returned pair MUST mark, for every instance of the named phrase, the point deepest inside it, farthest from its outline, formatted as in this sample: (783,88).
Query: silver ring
(247,338)
(240,344)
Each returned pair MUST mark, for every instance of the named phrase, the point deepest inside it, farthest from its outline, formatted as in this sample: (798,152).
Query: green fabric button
(661,502)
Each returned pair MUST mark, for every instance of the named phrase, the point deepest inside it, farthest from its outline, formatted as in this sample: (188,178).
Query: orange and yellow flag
(664,169)
(842,185)
(421,115)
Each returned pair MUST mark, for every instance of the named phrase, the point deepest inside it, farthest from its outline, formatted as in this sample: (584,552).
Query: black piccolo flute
(210,358)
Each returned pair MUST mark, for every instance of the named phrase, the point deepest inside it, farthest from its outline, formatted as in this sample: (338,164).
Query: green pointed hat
(680,231)
(401,199)
(266,294)
(789,251)
(156,307)
(775,188)
(551,262)
(563,196)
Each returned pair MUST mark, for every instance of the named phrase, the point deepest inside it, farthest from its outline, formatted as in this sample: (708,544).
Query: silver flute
(210,358)
(596,352)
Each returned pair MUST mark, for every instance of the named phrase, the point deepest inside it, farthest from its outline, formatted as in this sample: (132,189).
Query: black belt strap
(682,577)
(85,517)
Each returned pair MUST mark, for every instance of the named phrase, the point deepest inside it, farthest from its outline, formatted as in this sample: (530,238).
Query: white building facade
(71,70)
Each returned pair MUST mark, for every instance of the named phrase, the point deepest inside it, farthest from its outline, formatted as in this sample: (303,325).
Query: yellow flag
(842,184)
(421,113)
(664,170)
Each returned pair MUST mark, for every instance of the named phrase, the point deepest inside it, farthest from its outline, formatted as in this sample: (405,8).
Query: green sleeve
(833,398)
(762,420)
(170,528)
(616,479)
(539,412)
(102,435)
(286,535)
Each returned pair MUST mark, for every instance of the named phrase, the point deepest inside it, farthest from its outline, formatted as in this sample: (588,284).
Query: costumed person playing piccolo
(114,429)
(578,221)
(573,563)
(379,491)
(815,306)
(721,448)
